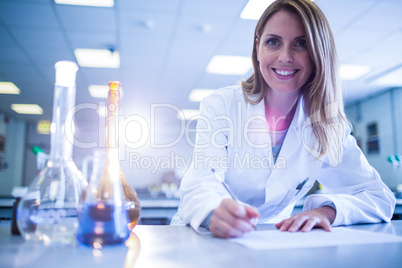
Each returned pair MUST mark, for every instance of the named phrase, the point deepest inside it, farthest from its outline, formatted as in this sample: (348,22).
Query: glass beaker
(48,212)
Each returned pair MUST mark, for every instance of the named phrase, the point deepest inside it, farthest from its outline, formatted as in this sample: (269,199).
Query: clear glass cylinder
(48,212)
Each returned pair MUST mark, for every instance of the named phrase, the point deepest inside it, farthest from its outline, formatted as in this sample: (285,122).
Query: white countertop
(180,246)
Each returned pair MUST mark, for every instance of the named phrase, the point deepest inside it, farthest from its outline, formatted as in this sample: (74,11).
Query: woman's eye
(301,43)
(272,42)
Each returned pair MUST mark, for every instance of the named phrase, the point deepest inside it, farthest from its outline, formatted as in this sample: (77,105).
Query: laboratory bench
(157,210)
(151,246)
(160,210)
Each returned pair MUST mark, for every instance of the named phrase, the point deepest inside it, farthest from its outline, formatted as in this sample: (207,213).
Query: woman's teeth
(284,73)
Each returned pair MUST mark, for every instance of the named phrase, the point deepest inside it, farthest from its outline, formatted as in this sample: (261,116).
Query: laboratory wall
(377,126)
(145,161)
(12,144)
(149,154)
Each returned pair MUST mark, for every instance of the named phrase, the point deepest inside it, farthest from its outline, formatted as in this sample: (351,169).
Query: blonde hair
(323,102)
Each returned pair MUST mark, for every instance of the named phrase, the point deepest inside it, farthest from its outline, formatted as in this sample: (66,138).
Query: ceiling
(165,47)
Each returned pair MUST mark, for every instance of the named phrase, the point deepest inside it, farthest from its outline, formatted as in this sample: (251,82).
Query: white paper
(276,239)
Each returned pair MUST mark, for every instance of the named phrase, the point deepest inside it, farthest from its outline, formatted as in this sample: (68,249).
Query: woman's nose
(285,55)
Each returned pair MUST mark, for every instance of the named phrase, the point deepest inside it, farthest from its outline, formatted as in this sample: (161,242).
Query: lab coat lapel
(292,140)
(257,129)
(290,145)
(286,172)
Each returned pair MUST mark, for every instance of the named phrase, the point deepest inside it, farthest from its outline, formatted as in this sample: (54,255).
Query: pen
(229,191)
(300,186)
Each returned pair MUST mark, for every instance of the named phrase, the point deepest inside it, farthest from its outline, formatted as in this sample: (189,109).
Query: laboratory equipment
(109,208)
(131,201)
(48,212)
(102,216)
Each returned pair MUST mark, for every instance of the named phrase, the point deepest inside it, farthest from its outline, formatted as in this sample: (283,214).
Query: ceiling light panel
(197,95)
(390,78)
(101,91)
(353,72)
(8,88)
(97,58)
(27,108)
(254,9)
(188,114)
(95,3)
(98,91)
(229,65)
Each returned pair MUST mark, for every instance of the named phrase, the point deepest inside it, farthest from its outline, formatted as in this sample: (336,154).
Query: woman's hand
(321,217)
(232,219)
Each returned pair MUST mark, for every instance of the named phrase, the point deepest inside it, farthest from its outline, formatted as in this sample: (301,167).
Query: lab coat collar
(291,145)
(293,139)
(299,118)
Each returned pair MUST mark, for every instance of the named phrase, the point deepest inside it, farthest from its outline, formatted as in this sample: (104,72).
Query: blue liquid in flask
(103,223)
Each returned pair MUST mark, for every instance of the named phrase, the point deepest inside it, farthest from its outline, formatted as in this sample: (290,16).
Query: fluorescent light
(98,91)
(97,58)
(101,91)
(8,88)
(390,78)
(27,108)
(230,65)
(96,3)
(188,114)
(352,72)
(254,9)
(197,95)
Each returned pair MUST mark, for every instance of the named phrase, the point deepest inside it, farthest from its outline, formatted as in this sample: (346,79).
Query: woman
(272,137)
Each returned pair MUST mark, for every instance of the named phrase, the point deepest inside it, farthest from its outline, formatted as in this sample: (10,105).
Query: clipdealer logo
(217,132)
(201,161)
(233,131)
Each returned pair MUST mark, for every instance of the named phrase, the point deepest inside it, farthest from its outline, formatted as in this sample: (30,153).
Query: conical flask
(109,208)
(48,212)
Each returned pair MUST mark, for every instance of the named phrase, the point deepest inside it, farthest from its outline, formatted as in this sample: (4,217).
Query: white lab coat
(228,144)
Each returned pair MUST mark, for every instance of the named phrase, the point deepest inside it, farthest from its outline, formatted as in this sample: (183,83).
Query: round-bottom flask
(48,212)
(109,208)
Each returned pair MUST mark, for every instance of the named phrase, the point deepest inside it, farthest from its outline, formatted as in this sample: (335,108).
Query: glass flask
(48,212)
(109,208)
(131,201)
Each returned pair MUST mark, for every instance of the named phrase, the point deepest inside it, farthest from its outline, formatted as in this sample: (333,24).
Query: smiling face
(284,60)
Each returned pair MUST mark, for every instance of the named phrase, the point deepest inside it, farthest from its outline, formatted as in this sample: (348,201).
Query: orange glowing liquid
(132,203)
